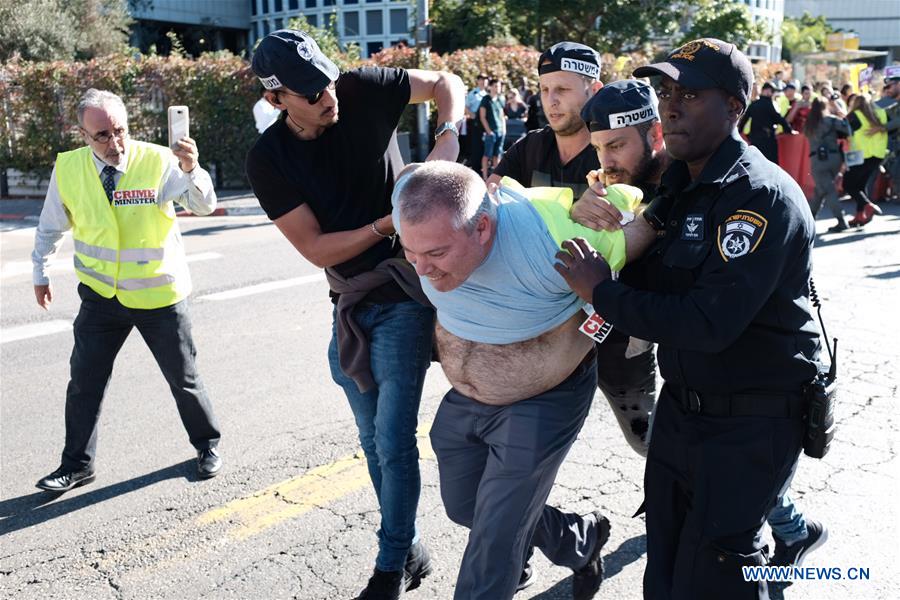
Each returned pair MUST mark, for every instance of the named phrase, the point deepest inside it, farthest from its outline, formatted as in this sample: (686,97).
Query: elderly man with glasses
(116,195)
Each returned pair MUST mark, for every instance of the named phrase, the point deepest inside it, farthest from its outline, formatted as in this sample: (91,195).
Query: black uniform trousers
(709,483)
(767,144)
(101,327)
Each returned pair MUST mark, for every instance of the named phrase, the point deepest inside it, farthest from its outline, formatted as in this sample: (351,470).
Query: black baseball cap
(570,56)
(706,63)
(292,59)
(620,104)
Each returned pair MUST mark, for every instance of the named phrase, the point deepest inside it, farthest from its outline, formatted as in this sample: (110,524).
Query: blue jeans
(400,337)
(788,524)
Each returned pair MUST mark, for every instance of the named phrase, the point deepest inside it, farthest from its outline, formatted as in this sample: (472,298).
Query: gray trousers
(824,172)
(497,465)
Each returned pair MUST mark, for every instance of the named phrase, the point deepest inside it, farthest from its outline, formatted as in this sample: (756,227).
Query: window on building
(265,6)
(351,23)
(399,24)
(327,2)
(374,48)
(373,23)
(253,7)
(258,29)
(351,1)
(310,3)
(312,20)
(372,1)
(279,23)
(265,28)
(293,4)
(279,6)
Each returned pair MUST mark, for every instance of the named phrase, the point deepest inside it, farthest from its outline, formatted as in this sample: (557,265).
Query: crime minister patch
(133,197)
(740,234)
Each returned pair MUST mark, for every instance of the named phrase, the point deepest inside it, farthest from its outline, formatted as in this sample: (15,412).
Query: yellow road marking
(289,499)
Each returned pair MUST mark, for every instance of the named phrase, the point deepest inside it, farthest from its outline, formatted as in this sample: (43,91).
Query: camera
(834,96)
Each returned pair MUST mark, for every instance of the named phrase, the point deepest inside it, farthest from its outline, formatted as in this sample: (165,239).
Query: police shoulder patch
(741,234)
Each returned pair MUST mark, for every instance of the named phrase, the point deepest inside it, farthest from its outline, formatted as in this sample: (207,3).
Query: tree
(802,35)
(327,39)
(62,29)
(725,20)
(467,24)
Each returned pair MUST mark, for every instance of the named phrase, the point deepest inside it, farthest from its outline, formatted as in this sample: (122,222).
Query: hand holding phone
(179,124)
(179,138)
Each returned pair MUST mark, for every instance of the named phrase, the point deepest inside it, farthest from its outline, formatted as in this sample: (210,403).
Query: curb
(219,212)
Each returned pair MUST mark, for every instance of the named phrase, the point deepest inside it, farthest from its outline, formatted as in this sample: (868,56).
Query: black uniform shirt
(729,279)
(763,118)
(534,161)
(343,175)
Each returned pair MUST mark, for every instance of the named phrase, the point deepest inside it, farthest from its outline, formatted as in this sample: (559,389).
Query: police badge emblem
(304,50)
(741,234)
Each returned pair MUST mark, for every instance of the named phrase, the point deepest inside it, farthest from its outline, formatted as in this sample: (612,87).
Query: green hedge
(38,99)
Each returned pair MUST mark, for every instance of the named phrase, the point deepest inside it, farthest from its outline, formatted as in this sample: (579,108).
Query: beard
(646,168)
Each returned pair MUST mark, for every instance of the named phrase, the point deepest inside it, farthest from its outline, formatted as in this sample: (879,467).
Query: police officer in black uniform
(728,304)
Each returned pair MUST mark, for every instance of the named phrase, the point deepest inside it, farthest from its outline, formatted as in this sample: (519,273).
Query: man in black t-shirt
(324,176)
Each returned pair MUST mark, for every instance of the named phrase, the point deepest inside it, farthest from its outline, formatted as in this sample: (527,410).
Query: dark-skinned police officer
(728,304)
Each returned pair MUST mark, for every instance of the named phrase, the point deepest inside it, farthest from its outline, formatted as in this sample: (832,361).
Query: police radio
(820,395)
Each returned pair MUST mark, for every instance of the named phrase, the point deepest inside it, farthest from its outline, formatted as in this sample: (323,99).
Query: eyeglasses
(311,98)
(103,137)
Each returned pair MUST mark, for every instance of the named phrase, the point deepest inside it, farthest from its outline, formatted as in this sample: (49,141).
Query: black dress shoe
(588,578)
(63,479)
(418,566)
(384,585)
(209,463)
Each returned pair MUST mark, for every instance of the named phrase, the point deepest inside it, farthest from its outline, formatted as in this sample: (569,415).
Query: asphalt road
(292,515)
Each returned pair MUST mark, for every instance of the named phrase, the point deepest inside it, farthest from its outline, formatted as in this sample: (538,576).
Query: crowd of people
(853,140)
(634,235)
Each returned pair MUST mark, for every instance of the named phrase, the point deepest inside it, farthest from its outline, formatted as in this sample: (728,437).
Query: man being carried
(523,375)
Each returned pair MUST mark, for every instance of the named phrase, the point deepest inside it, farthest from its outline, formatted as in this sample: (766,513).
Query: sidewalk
(231,203)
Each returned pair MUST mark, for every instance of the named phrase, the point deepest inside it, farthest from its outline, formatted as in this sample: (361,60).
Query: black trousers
(768,145)
(709,485)
(856,178)
(101,327)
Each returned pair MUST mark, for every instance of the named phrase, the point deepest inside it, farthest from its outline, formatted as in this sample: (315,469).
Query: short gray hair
(442,185)
(94,98)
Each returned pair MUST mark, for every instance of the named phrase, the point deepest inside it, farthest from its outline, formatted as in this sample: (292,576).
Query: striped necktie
(109,181)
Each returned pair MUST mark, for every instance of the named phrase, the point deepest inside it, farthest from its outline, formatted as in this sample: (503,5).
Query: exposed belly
(506,373)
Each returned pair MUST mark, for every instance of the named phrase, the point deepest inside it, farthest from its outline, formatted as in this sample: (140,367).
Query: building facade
(372,24)
(202,25)
(770,12)
(876,21)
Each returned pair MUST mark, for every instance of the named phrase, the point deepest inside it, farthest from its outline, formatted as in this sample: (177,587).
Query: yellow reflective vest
(131,247)
(554,204)
(870,145)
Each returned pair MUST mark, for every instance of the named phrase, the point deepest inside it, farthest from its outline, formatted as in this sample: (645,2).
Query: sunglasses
(311,98)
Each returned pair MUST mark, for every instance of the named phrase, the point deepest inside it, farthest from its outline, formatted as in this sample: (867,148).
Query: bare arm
(638,238)
(302,230)
(449,95)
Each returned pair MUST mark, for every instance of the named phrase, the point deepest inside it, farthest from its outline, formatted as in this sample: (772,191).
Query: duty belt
(790,405)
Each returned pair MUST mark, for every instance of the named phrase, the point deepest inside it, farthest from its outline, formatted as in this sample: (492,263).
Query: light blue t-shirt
(515,294)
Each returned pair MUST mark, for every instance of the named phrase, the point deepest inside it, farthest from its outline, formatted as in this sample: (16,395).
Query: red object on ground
(879,190)
(793,157)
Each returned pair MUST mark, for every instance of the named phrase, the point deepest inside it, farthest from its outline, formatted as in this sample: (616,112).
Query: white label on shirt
(595,326)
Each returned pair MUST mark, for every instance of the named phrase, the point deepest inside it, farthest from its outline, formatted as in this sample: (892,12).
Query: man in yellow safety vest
(116,195)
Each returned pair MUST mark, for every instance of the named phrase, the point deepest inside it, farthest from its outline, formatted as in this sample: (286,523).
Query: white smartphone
(179,124)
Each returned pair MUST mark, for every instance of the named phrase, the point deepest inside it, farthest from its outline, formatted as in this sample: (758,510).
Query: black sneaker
(209,463)
(418,566)
(384,585)
(793,555)
(527,576)
(63,479)
(588,578)
(838,228)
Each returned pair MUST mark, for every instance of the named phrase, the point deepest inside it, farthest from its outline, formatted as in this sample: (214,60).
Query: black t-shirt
(343,175)
(533,161)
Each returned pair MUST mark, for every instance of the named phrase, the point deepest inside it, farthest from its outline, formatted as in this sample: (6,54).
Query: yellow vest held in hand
(870,145)
(131,247)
